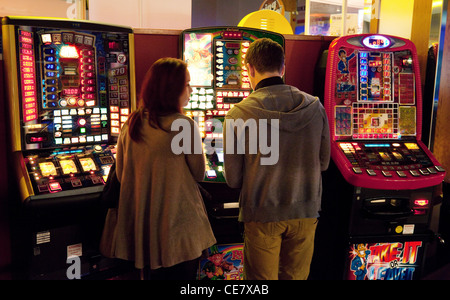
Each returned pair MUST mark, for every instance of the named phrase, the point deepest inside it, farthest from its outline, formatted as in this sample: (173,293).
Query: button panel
(69,168)
(396,159)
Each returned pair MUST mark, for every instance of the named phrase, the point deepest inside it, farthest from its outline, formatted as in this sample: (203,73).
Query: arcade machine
(385,180)
(215,58)
(70,87)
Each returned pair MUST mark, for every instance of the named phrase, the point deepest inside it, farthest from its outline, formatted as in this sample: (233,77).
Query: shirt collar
(269,81)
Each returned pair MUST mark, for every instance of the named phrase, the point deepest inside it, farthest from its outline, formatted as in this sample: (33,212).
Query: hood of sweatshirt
(293,108)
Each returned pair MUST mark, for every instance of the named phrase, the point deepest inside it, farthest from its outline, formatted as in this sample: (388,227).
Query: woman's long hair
(160,94)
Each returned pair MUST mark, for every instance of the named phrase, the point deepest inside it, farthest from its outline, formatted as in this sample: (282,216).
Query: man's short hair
(265,55)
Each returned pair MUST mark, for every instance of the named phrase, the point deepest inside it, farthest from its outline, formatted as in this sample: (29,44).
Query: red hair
(160,94)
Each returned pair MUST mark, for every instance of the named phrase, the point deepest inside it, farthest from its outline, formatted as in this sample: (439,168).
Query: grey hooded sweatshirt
(289,184)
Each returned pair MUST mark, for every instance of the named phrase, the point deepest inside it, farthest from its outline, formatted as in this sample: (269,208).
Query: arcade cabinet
(215,58)
(70,87)
(383,183)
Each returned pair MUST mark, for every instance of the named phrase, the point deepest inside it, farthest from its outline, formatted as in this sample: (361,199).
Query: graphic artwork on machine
(225,262)
(384,261)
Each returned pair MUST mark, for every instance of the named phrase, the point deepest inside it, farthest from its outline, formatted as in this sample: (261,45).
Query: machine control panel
(69,169)
(396,159)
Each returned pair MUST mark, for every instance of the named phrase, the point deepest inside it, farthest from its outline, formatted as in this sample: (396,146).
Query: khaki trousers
(279,250)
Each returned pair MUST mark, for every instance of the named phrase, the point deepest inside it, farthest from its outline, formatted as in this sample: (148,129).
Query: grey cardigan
(161,219)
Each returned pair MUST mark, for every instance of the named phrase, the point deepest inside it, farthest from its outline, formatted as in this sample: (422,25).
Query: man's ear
(283,70)
(251,70)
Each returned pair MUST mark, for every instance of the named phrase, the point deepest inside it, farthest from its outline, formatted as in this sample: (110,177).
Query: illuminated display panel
(68,166)
(218,74)
(400,156)
(75,85)
(375,76)
(376,42)
(230,70)
(68,72)
(87,164)
(48,169)
(28,75)
(374,93)
(375,121)
(379,260)
(198,55)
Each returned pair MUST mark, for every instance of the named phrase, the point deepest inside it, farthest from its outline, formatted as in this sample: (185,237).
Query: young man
(277,166)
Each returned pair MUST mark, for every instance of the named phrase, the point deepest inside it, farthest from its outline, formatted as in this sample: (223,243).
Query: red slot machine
(383,172)
(70,87)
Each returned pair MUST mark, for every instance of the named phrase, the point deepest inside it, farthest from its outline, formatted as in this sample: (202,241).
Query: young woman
(161,220)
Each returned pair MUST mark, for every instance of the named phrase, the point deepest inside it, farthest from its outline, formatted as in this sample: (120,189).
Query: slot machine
(70,88)
(384,180)
(215,58)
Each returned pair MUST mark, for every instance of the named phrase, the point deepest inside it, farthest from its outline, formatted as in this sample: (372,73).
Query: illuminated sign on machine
(68,52)
(376,42)
(68,70)
(28,75)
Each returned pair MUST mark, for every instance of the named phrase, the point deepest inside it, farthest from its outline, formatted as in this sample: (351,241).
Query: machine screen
(87,164)
(375,76)
(198,55)
(68,166)
(48,169)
